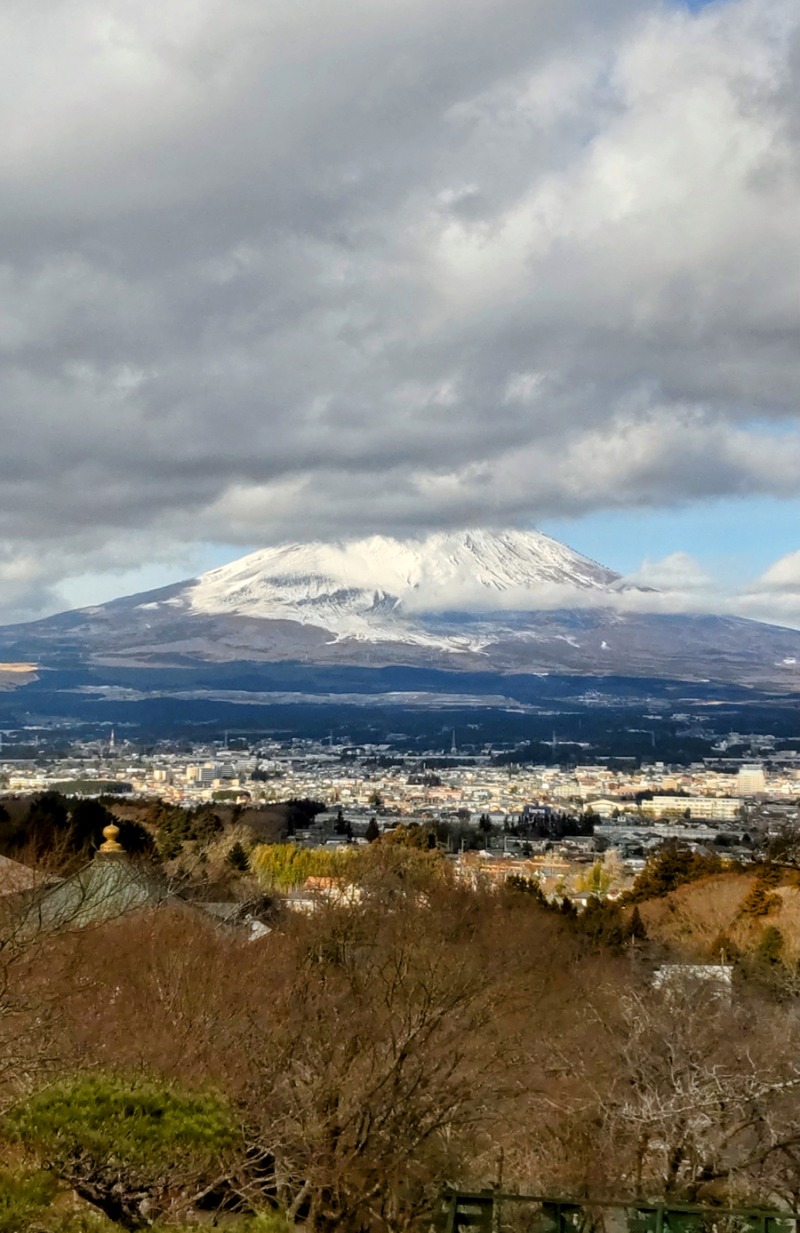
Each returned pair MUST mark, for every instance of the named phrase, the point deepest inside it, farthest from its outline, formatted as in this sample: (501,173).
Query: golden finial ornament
(110,833)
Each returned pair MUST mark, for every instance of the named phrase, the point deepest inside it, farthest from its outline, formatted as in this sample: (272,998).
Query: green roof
(110,886)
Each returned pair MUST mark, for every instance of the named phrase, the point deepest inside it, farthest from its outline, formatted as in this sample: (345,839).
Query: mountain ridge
(368,589)
(469,601)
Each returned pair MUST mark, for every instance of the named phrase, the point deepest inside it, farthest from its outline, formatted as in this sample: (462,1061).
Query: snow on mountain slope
(513,604)
(371,589)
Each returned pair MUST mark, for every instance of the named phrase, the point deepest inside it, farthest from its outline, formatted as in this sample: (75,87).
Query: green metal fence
(491,1211)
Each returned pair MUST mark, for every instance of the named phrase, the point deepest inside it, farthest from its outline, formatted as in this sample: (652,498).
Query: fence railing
(490,1211)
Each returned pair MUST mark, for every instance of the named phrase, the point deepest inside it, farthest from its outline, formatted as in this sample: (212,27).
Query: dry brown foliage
(378,1050)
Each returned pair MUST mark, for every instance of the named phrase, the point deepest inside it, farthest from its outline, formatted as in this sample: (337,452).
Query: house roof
(16,878)
(110,886)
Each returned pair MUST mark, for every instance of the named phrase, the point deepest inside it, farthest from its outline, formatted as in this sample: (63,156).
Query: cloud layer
(277,271)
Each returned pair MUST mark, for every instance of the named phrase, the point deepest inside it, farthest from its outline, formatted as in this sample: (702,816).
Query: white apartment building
(751,779)
(718,808)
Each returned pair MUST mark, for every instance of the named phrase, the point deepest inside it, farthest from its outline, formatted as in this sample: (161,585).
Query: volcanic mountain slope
(473,601)
(377,589)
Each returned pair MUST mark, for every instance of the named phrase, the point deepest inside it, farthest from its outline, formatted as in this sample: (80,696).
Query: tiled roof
(16,877)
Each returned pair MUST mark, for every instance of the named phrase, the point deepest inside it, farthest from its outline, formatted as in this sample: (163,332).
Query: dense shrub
(126,1146)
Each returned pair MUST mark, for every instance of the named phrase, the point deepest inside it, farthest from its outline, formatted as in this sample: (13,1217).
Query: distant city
(491,803)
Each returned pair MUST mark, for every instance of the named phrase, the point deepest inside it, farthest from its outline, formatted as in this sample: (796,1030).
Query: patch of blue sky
(99,588)
(696,5)
(733,539)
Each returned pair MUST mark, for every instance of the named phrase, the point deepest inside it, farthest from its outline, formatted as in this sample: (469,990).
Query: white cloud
(682,584)
(775,596)
(280,271)
(784,574)
(679,571)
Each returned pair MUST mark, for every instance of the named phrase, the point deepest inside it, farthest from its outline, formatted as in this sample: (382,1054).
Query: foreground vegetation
(340,1071)
(337,1073)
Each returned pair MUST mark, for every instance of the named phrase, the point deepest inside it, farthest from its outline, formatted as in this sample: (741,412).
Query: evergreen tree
(45,822)
(237,858)
(759,900)
(527,886)
(119,1143)
(87,822)
(670,867)
(136,839)
(601,921)
(770,945)
(636,926)
(770,875)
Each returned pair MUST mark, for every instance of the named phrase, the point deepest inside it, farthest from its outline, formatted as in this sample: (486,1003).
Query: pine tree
(527,886)
(770,945)
(117,1142)
(669,868)
(636,926)
(237,857)
(759,900)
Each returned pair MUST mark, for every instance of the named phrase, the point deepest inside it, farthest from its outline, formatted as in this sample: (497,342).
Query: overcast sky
(279,269)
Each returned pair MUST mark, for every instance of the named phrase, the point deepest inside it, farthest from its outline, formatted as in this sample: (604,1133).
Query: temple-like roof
(16,878)
(110,886)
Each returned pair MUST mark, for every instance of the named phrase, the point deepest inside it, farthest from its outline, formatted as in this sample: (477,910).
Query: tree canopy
(128,1146)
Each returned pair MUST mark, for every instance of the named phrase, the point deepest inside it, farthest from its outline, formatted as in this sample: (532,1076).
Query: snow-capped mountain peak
(370,588)
(500,604)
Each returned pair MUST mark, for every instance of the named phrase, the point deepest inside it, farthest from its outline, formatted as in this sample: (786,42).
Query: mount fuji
(478,602)
(381,590)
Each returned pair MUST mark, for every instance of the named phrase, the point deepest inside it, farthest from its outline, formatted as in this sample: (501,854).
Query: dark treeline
(63,831)
(551,824)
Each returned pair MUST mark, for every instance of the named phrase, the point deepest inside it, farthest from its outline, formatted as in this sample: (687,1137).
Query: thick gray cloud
(275,270)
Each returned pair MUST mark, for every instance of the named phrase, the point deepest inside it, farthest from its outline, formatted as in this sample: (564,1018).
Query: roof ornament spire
(110,833)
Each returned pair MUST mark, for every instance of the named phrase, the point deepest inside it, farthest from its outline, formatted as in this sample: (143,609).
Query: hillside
(691,919)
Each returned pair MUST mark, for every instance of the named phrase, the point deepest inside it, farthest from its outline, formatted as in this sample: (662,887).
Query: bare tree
(376,1061)
(695,1097)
